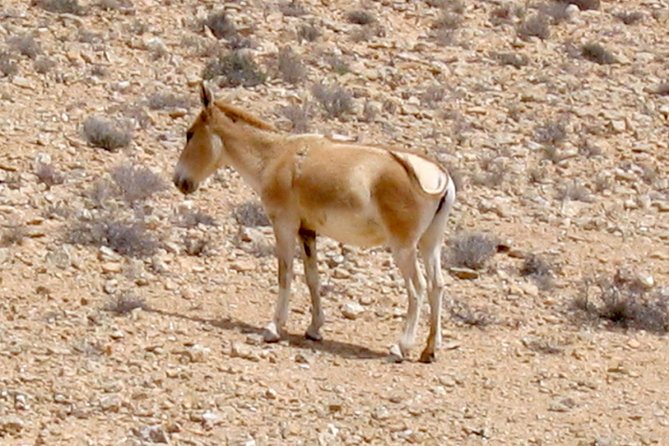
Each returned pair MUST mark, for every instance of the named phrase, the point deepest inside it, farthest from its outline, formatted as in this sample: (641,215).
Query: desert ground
(131,315)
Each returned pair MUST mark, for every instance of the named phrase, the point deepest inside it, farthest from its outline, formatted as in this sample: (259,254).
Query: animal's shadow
(342,349)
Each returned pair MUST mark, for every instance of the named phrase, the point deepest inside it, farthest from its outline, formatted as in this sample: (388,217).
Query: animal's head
(203,152)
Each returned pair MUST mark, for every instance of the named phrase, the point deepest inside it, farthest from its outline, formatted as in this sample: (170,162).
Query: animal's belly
(349,228)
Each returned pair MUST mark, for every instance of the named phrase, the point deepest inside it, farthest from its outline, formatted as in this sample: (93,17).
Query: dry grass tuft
(299,116)
(234,69)
(534,26)
(293,8)
(8,66)
(335,100)
(251,214)
(106,134)
(137,183)
(594,52)
(25,44)
(360,17)
(290,66)
(220,25)
(47,174)
(125,303)
(308,32)
(471,250)
(60,6)
(539,270)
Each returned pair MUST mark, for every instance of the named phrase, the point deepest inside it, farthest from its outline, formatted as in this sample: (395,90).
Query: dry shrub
(575,191)
(556,10)
(60,6)
(290,66)
(107,134)
(514,59)
(594,52)
(122,6)
(299,116)
(251,214)
(161,101)
(534,26)
(235,69)
(539,270)
(220,25)
(630,18)
(360,17)
(137,183)
(43,65)
(191,219)
(335,100)
(8,66)
(308,32)
(471,250)
(294,8)
(25,44)
(433,95)
(623,301)
(47,174)
(126,237)
(125,303)
(461,312)
(552,133)
(13,235)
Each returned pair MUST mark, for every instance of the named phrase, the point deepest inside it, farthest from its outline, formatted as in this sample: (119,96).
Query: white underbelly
(350,228)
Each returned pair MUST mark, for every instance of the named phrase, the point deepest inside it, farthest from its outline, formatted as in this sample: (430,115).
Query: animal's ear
(206,95)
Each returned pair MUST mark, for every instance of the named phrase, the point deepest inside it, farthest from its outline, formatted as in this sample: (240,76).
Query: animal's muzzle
(185,185)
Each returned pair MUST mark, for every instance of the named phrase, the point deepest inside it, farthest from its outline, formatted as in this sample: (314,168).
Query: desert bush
(461,312)
(308,32)
(125,303)
(539,270)
(552,132)
(335,99)
(191,219)
(60,6)
(556,10)
(575,191)
(47,174)
(501,14)
(251,214)
(220,25)
(106,134)
(13,235)
(235,68)
(339,65)
(299,116)
(471,250)
(516,60)
(25,44)
(583,5)
(623,301)
(534,26)
(197,246)
(447,21)
(360,17)
(293,8)
(290,66)
(594,52)
(126,237)
(122,6)
(630,18)
(369,111)
(43,65)
(137,183)
(161,101)
(433,95)
(8,66)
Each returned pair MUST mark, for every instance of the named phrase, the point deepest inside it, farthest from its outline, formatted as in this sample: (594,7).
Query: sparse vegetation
(551,133)
(516,60)
(125,303)
(534,26)
(575,191)
(539,270)
(360,17)
(8,66)
(630,18)
(191,219)
(251,214)
(25,44)
(556,10)
(293,8)
(471,250)
(60,6)
(126,237)
(339,65)
(106,134)
(13,235)
(299,116)
(335,100)
(197,246)
(43,65)
(290,66)
(234,69)
(48,175)
(433,95)
(461,312)
(136,183)
(492,173)
(594,52)
(623,301)
(122,6)
(220,25)
(161,101)
(308,32)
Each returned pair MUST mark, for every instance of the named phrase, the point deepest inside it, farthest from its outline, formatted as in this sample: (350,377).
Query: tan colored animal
(310,185)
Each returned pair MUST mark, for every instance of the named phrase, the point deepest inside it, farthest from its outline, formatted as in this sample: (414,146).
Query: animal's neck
(249,150)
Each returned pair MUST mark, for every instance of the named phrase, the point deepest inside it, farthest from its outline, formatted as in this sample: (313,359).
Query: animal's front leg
(308,239)
(285,247)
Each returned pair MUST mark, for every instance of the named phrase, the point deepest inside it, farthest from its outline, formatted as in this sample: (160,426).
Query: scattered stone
(111,403)
(243,351)
(11,425)
(352,310)
(152,434)
(464,273)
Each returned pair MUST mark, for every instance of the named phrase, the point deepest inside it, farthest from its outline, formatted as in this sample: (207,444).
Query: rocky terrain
(130,315)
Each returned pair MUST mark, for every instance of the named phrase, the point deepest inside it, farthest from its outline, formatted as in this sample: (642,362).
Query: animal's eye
(189,135)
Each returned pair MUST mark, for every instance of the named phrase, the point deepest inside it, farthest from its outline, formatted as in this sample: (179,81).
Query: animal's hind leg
(285,251)
(432,260)
(308,239)
(415,285)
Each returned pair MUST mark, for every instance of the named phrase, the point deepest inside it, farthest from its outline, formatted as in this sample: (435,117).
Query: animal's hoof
(270,336)
(316,337)
(427,357)
(396,354)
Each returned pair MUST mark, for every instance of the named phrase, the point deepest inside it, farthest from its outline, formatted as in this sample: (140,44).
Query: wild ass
(310,185)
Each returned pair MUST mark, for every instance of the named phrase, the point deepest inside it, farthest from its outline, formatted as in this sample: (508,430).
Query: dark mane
(237,114)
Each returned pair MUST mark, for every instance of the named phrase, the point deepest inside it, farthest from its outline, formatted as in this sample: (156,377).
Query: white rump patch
(431,177)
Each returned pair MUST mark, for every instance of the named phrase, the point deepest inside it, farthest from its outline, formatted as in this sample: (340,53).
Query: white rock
(352,310)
